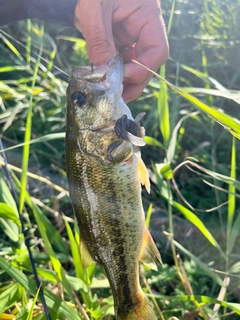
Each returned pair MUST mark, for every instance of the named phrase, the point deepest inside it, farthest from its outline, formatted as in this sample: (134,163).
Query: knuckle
(153,9)
(98,46)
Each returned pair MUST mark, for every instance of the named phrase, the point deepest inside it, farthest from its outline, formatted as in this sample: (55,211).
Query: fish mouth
(111,73)
(90,74)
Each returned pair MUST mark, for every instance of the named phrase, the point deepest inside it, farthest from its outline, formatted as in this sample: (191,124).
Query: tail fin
(143,312)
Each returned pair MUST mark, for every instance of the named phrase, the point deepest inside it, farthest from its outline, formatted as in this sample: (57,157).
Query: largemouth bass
(105,172)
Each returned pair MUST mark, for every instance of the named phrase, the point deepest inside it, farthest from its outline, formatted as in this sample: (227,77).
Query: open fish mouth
(110,74)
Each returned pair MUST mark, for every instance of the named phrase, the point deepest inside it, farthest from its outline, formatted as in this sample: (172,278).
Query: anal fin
(149,254)
(85,255)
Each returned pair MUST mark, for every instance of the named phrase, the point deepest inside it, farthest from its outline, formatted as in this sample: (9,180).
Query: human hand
(109,25)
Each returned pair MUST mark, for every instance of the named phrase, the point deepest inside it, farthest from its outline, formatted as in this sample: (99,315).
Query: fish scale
(106,195)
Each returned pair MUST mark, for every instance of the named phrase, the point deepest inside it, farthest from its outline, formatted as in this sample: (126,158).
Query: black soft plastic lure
(127,130)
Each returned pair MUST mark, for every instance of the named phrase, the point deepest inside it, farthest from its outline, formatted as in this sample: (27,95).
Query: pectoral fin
(85,255)
(143,174)
(149,253)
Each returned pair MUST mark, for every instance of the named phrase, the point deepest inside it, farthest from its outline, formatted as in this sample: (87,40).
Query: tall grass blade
(11,46)
(225,120)
(203,299)
(235,268)
(47,137)
(231,195)
(10,229)
(6,195)
(28,41)
(7,212)
(153,142)
(191,217)
(9,224)
(205,77)
(233,234)
(27,136)
(53,301)
(54,260)
(201,265)
(9,297)
(148,216)
(80,41)
(172,143)
(163,109)
(39,178)
(49,229)
(171,17)
(25,234)
(212,174)
(60,272)
(76,283)
(30,313)
(12,68)
(228,94)
(209,99)
(75,253)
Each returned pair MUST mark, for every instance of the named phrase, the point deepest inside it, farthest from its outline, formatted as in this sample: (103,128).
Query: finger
(94,20)
(127,53)
(122,36)
(131,53)
(138,49)
(133,91)
(154,47)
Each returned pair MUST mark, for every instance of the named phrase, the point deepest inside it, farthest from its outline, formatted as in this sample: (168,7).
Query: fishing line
(25,234)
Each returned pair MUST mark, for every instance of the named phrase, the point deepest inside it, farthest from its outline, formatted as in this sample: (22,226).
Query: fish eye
(79,99)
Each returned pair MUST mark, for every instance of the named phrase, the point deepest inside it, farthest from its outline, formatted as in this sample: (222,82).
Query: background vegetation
(192,154)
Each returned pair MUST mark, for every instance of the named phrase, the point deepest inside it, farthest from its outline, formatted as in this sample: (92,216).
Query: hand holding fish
(133,27)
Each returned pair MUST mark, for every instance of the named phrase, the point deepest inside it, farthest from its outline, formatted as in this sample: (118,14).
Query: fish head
(94,104)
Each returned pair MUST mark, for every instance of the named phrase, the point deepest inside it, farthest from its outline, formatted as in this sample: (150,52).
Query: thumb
(94,20)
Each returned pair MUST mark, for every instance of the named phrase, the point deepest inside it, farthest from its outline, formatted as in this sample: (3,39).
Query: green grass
(192,152)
